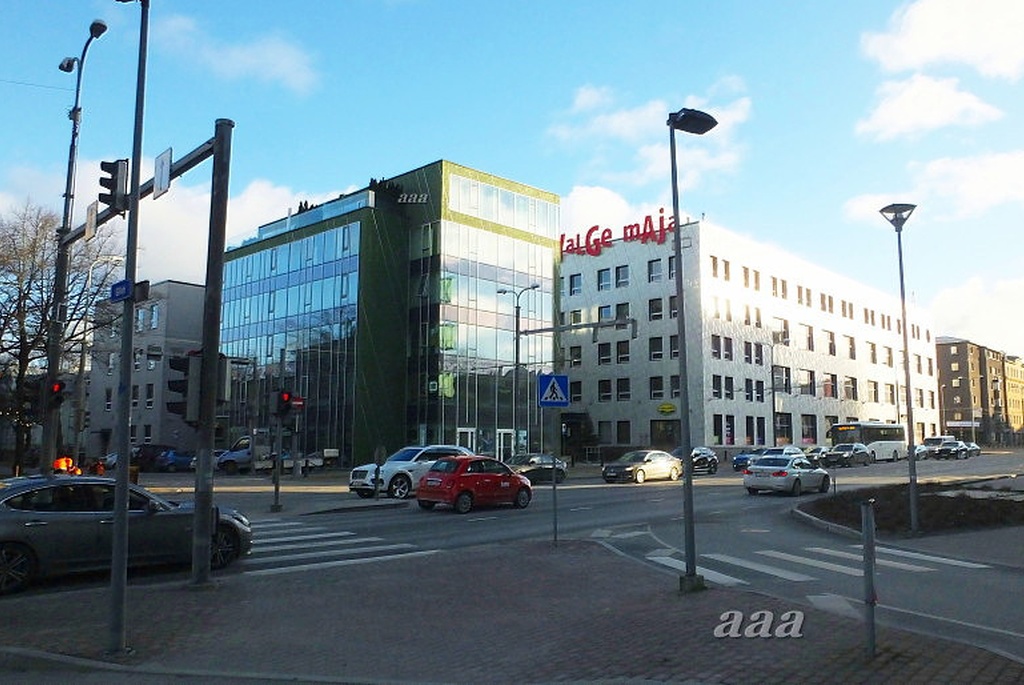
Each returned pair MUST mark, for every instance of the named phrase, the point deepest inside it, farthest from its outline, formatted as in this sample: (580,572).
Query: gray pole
(867,526)
(119,556)
(205,526)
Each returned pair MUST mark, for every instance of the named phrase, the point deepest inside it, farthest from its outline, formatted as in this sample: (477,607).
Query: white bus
(885,441)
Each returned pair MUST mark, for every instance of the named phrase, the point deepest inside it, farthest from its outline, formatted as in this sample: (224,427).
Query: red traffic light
(57,387)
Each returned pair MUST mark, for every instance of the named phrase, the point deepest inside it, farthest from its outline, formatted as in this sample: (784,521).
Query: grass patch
(935,513)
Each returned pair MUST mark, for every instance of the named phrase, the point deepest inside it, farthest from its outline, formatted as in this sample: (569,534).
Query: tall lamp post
(517,293)
(698,123)
(897,215)
(55,334)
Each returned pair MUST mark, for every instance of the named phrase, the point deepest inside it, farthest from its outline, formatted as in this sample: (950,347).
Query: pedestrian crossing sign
(553,390)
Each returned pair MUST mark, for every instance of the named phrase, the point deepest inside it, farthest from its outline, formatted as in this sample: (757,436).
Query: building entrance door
(505,444)
(467,438)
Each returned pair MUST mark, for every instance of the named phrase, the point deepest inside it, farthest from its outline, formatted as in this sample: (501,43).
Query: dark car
(746,457)
(63,524)
(174,460)
(951,449)
(973,450)
(538,467)
(845,454)
(642,465)
(704,459)
(465,482)
(814,453)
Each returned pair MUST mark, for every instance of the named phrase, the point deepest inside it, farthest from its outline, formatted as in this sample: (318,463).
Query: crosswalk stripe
(325,553)
(812,562)
(261,540)
(928,557)
(763,568)
(713,576)
(315,543)
(878,562)
(277,570)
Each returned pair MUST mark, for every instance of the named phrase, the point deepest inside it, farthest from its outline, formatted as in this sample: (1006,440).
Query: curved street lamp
(698,123)
(897,215)
(517,293)
(55,334)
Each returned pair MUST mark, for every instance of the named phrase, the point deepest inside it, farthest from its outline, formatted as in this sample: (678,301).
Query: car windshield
(932,442)
(444,466)
(632,457)
(773,461)
(774,450)
(405,454)
(843,447)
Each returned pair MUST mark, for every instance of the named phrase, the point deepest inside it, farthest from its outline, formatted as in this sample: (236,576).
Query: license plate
(434,481)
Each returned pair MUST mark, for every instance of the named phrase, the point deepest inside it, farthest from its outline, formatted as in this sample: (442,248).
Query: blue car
(743,459)
(174,460)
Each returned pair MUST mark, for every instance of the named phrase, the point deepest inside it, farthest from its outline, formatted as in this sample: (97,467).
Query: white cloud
(921,104)
(591,97)
(984,34)
(267,58)
(977,310)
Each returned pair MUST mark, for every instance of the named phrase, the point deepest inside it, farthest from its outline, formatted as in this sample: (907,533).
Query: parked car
(952,449)
(814,452)
(704,459)
(792,474)
(400,474)
(642,465)
(538,467)
(464,482)
(929,446)
(846,454)
(143,456)
(59,525)
(174,460)
(973,449)
(746,457)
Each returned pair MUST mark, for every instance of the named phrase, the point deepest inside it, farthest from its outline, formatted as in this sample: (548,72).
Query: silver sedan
(785,474)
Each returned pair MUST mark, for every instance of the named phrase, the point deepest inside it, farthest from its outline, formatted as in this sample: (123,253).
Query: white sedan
(785,474)
(399,475)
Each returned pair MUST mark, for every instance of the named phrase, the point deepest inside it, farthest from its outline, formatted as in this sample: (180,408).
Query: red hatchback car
(466,482)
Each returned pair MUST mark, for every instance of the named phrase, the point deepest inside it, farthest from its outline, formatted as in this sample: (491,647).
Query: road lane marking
(713,576)
(337,563)
(261,540)
(326,553)
(812,562)
(927,557)
(316,543)
(879,562)
(763,568)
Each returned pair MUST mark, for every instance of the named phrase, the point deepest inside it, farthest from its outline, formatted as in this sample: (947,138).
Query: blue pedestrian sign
(552,390)
(121,291)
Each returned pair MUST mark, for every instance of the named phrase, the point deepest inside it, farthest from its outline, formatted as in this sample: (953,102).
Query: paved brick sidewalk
(525,612)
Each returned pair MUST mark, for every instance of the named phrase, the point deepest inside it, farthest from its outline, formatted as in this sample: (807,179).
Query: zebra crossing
(289,546)
(801,565)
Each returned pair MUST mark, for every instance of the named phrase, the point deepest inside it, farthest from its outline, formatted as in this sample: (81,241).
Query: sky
(827,112)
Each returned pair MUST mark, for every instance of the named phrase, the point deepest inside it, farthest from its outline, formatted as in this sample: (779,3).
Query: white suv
(400,474)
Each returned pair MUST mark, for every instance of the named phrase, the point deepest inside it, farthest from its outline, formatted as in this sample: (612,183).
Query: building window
(604,391)
(604,432)
(657,387)
(575,391)
(622,276)
(135,395)
(673,385)
(805,379)
(654,309)
(888,357)
(830,339)
(829,385)
(623,435)
(890,393)
(575,355)
(154,317)
(622,389)
(759,354)
(716,386)
(727,386)
(849,388)
(673,346)
(759,391)
(809,428)
(727,348)
(808,336)
(673,308)
(622,352)
(575,284)
(655,350)
(748,390)
(622,314)
(851,346)
(604,354)
(716,346)
(147,434)
(872,391)
(604,312)
(604,279)
(149,395)
(576,316)
(654,271)
(108,398)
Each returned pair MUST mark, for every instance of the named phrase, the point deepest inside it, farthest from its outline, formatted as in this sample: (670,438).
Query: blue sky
(828,111)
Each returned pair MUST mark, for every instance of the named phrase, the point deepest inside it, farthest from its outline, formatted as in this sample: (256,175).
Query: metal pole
(119,560)
(205,526)
(690,581)
(911,457)
(867,524)
(515,383)
(55,332)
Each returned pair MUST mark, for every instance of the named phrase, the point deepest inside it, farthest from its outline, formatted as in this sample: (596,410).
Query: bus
(885,441)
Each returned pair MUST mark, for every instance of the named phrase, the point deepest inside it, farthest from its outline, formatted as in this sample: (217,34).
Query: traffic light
(116,184)
(187,386)
(55,394)
(284,403)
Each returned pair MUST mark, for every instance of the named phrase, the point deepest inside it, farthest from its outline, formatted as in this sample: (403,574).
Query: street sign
(121,291)
(552,390)
(91,213)
(162,173)
(298,402)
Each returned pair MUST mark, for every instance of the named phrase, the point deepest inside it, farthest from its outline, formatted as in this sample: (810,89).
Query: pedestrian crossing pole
(867,529)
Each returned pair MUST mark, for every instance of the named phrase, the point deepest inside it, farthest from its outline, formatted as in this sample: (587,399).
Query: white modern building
(754,313)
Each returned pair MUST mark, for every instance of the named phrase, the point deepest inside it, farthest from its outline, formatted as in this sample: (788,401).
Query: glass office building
(392,311)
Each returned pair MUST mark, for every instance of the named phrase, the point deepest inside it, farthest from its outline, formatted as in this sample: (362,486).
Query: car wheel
(17,567)
(425,505)
(400,487)
(751,491)
(639,476)
(673,474)
(224,547)
(463,503)
(365,494)
(230,468)
(797,488)
(713,469)
(825,483)
(522,499)
(171,468)
(560,478)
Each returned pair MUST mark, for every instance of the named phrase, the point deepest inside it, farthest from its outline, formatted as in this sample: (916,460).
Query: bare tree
(28,252)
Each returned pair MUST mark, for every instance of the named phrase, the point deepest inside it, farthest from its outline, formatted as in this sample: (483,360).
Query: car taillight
(747,472)
(780,474)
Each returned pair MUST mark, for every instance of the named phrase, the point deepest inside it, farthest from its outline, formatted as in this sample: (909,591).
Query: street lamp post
(942,409)
(515,368)
(897,215)
(55,333)
(698,123)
